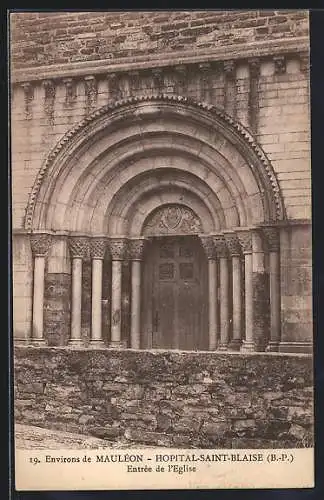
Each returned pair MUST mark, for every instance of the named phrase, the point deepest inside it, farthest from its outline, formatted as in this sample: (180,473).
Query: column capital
(79,247)
(229,68)
(98,247)
(272,238)
(40,244)
(208,246)
(233,244)
(118,248)
(220,245)
(245,239)
(280,64)
(254,65)
(136,248)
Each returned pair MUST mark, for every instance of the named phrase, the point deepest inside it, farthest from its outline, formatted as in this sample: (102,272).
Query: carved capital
(136,248)
(245,239)
(90,84)
(220,245)
(181,69)
(280,64)
(98,248)
(254,65)
(272,238)
(233,244)
(69,88)
(304,62)
(229,69)
(50,89)
(118,248)
(208,246)
(79,247)
(205,66)
(28,90)
(40,244)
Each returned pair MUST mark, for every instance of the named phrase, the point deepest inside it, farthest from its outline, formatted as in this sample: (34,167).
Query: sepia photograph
(161,243)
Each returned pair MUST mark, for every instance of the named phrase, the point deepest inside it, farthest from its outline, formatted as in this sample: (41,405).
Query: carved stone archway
(171,163)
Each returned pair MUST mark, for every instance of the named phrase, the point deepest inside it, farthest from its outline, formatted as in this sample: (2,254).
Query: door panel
(175,294)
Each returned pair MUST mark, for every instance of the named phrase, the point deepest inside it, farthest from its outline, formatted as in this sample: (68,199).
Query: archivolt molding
(80,131)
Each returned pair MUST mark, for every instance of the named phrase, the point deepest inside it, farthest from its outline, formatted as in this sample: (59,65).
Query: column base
(96,343)
(38,342)
(76,343)
(273,346)
(247,346)
(235,344)
(296,347)
(118,344)
(222,347)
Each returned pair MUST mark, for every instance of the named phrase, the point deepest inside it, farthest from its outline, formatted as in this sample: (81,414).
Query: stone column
(78,246)
(136,250)
(272,236)
(261,299)
(40,245)
(118,248)
(245,239)
(209,248)
(234,248)
(222,253)
(97,251)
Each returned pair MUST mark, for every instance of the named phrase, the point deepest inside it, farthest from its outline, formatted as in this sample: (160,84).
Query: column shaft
(237,302)
(76,301)
(116,292)
(136,304)
(212,288)
(275,320)
(224,310)
(38,299)
(96,315)
(248,344)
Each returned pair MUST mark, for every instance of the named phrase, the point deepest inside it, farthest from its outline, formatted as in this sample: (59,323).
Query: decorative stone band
(208,246)
(79,247)
(245,239)
(98,247)
(136,248)
(272,238)
(40,244)
(118,248)
(233,244)
(220,245)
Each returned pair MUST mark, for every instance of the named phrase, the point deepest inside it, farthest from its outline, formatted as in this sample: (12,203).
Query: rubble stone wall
(205,400)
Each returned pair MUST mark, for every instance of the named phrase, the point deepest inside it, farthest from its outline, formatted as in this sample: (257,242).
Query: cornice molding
(167,60)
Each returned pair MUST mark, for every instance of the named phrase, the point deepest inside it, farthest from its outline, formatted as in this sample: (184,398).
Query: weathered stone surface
(254,403)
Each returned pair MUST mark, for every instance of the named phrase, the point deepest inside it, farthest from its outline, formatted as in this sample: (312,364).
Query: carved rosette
(98,248)
(136,248)
(79,247)
(233,244)
(245,239)
(118,248)
(220,246)
(40,244)
(173,219)
(272,238)
(208,246)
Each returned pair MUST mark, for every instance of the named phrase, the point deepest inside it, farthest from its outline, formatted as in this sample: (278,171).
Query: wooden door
(176,294)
